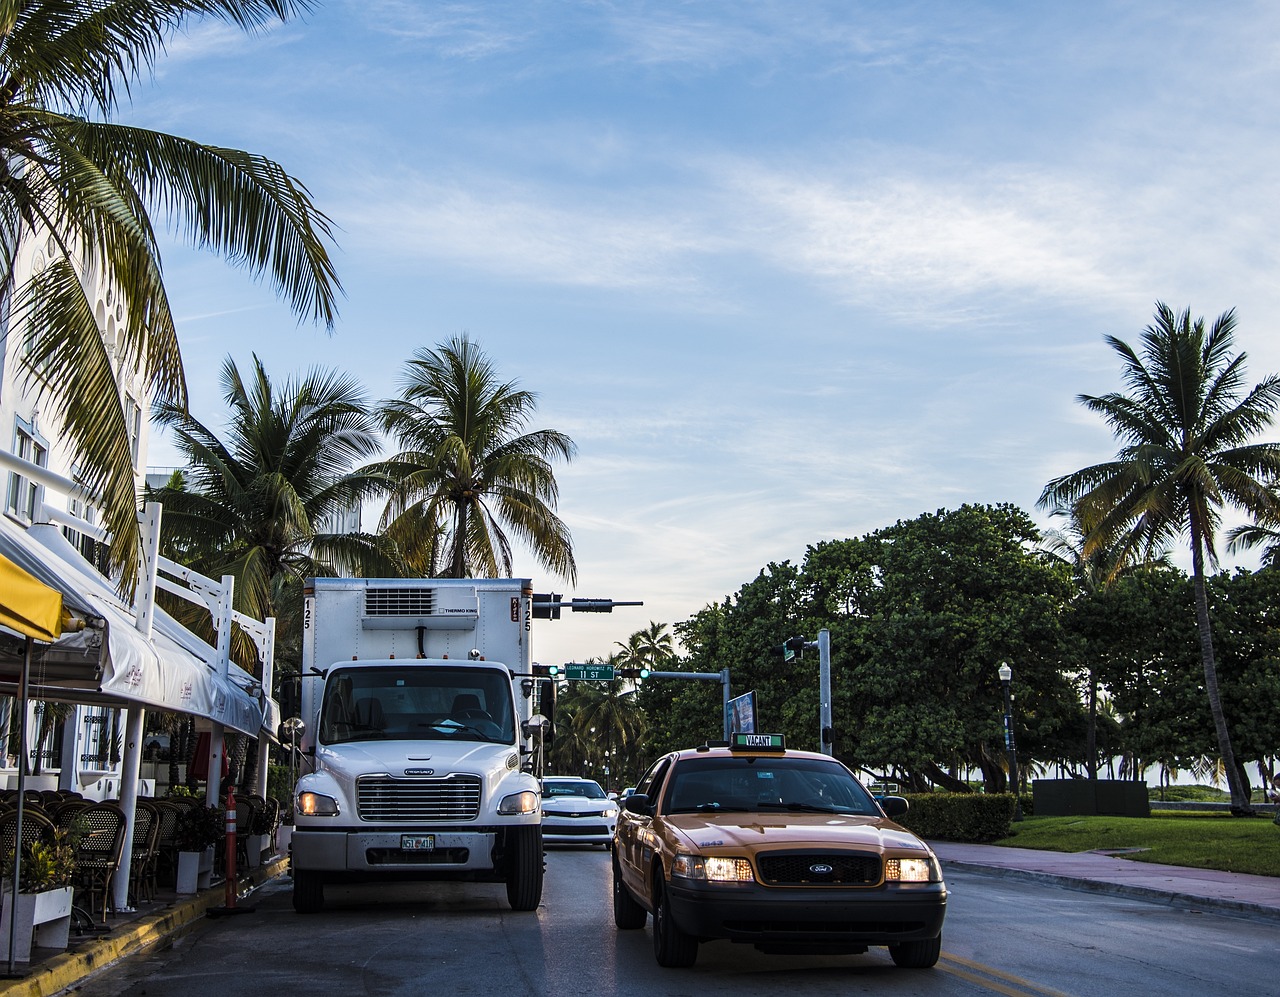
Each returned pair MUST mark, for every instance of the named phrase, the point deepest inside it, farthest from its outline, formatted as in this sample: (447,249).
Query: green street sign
(592,673)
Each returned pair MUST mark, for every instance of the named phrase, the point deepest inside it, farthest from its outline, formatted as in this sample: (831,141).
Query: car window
(708,785)
(575,787)
(653,778)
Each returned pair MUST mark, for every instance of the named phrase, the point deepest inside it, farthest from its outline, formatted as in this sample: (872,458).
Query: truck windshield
(417,703)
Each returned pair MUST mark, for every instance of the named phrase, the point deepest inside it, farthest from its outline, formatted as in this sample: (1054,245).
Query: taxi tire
(524,867)
(671,946)
(308,891)
(917,955)
(627,913)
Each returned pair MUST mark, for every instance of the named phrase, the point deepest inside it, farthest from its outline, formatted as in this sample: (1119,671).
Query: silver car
(577,812)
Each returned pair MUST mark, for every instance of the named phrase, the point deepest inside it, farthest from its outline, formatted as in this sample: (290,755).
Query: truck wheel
(916,955)
(671,946)
(308,892)
(627,914)
(524,867)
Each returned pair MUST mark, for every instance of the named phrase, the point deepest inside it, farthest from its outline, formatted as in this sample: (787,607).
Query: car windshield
(417,703)
(762,783)
(552,788)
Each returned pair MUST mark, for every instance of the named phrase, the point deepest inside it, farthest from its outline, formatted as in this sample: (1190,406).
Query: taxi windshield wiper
(811,808)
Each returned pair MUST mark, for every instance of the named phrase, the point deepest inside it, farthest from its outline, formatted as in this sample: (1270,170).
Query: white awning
(175,670)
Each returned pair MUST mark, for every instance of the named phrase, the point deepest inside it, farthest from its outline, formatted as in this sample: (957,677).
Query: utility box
(1090,798)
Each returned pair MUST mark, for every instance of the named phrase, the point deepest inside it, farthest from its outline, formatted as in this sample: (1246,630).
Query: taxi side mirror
(638,803)
(893,806)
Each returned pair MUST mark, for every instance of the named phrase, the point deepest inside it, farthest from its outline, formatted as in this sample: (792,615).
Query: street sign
(592,673)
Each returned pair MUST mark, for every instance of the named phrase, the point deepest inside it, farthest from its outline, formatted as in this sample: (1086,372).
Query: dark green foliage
(975,817)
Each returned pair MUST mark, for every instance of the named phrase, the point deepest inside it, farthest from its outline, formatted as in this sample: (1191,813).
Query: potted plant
(42,913)
(199,829)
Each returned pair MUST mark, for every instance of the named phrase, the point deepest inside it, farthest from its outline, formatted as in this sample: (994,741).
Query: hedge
(973,817)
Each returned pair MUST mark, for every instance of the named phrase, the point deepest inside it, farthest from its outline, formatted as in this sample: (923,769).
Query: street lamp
(1006,679)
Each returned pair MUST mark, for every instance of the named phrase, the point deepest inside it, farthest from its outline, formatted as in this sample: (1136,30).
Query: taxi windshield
(761,783)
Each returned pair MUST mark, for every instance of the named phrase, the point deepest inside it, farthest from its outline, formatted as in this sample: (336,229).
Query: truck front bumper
(371,852)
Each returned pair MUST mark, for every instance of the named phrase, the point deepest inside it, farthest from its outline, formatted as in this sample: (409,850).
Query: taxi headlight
(912,871)
(317,805)
(712,869)
(525,802)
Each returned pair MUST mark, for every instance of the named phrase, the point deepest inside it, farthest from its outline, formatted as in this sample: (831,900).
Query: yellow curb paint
(61,972)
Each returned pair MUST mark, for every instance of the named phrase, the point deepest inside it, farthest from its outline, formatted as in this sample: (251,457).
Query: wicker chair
(142,857)
(36,826)
(165,866)
(98,856)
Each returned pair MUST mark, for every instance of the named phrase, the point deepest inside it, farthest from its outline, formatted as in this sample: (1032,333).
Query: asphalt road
(1002,936)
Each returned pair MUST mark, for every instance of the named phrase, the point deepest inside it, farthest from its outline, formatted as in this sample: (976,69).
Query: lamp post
(1006,680)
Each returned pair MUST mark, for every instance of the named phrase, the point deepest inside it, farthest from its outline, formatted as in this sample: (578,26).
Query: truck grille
(381,798)
(820,869)
(401,601)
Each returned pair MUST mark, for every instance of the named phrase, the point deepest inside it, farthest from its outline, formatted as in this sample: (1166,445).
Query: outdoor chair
(146,825)
(247,810)
(166,855)
(64,814)
(98,856)
(36,826)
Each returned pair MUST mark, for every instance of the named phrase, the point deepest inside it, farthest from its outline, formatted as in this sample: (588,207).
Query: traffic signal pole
(721,676)
(824,693)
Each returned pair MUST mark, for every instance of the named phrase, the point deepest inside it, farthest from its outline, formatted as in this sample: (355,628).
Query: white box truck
(416,700)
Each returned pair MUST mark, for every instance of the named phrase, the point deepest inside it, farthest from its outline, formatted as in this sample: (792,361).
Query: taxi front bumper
(773,915)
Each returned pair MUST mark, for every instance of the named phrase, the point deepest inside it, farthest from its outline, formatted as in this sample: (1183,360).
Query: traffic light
(551,671)
(546,605)
(789,647)
(633,673)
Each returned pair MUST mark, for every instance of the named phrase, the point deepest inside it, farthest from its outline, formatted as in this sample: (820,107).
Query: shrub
(974,817)
(200,827)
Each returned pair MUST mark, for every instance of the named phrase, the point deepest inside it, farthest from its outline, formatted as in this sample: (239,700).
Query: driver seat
(464,702)
(368,714)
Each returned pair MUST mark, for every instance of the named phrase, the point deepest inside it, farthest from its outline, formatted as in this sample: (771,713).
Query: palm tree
(468,471)
(257,505)
(652,648)
(1185,428)
(92,184)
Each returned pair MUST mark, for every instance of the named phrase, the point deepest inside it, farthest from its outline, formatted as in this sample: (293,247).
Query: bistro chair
(98,856)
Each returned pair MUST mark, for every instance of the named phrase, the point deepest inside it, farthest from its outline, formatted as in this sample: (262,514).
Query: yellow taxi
(786,850)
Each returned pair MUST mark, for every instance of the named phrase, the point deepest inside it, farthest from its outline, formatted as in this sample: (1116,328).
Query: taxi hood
(755,830)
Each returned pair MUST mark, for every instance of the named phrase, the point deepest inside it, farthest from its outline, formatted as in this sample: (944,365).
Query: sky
(786,272)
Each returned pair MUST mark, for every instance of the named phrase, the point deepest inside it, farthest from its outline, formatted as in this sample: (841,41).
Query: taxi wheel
(671,946)
(916,955)
(308,891)
(627,914)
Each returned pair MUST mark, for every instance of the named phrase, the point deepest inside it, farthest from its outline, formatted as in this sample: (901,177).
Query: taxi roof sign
(757,742)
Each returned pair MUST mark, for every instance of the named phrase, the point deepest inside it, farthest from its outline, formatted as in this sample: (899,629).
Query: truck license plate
(417,842)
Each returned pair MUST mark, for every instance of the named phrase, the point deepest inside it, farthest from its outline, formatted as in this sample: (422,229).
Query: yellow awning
(28,606)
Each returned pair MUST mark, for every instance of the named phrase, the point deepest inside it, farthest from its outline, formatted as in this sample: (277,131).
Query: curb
(66,970)
(1168,898)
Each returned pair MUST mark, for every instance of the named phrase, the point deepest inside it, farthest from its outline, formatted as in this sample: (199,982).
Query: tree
(93,185)
(467,471)
(1185,428)
(257,504)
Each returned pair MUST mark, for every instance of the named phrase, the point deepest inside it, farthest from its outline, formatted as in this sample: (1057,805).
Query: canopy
(27,605)
(110,661)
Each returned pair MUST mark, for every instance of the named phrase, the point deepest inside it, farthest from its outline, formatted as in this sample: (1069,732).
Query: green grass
(1197,840)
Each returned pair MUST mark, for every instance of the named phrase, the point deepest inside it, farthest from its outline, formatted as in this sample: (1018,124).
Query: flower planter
(253,847)
(195,871)
(284,834)
(43,919)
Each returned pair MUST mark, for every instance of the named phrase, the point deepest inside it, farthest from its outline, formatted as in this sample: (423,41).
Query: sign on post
(592,673)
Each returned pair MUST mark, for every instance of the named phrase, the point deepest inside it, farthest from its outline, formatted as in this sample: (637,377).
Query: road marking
(993,979)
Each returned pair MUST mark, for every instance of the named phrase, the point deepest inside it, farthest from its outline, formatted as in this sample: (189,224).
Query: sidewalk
(1100,872)
(132,933)
(1222,892)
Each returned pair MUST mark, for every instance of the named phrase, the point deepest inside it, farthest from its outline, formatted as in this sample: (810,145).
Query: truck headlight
(712,870)
(525,802)
(912,871)
(317,805)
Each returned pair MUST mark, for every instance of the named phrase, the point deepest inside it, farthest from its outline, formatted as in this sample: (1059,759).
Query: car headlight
(713,869)
(912,871)
(525,802)
(317,805)
(611,812)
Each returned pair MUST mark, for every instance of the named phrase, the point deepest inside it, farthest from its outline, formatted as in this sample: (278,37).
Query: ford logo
(821,869)
(419,771)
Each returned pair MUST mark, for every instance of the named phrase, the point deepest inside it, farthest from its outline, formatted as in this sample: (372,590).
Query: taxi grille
(381,798)
(819,869)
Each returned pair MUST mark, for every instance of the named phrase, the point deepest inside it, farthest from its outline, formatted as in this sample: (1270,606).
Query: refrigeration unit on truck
(416,707)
